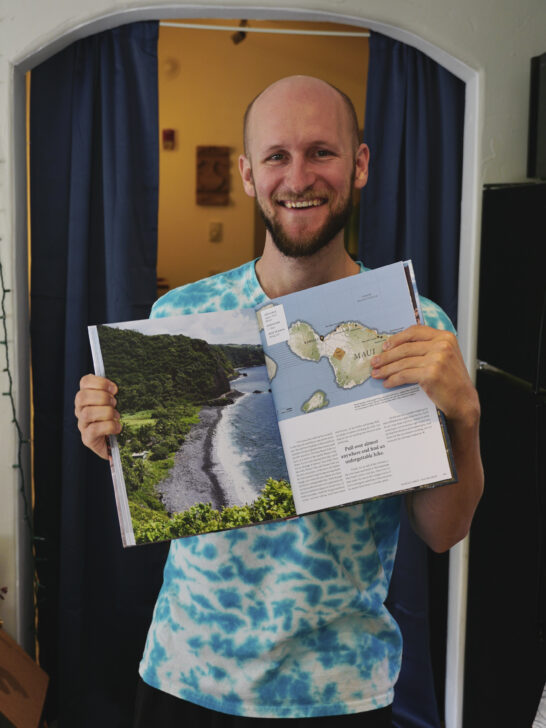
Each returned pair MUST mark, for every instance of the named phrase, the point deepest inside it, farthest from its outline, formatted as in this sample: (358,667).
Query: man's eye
(277,157)
(324,153)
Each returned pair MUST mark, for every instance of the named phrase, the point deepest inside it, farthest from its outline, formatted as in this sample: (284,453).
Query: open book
(239,417)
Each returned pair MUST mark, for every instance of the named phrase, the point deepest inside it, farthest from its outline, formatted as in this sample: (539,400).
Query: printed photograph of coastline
(200,449)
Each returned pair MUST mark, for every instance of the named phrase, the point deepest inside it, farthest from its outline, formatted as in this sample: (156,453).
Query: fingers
(92,398)
(99,429)
(92,381)
(406,371)
(417,341)
(418,332)
(95,391)
(93,414)
(95,409)
(428,357)
(94,436)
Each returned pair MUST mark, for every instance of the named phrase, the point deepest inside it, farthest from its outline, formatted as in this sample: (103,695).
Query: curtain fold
(94,200)
(410,208)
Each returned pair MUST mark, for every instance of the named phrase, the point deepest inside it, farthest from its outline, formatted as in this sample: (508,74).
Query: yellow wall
(205,84)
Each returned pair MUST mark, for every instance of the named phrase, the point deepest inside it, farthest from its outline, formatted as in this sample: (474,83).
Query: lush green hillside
(165,370)
(242,355)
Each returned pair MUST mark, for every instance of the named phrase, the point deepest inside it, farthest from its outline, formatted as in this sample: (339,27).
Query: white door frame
(468,258)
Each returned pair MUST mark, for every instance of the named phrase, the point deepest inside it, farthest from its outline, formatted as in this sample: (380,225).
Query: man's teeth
(305,203)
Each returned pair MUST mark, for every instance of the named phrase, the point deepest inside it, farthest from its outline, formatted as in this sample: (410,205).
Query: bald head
(296,90)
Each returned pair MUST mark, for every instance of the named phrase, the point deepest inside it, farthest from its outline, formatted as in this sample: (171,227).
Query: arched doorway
(468,252)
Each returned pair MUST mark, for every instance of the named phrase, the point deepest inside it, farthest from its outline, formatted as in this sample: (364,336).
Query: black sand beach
(192,478)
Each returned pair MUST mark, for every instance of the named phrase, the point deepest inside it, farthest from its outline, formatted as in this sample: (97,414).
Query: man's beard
(294,248)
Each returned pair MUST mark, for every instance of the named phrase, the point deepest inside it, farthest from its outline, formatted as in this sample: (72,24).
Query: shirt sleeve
(435,316)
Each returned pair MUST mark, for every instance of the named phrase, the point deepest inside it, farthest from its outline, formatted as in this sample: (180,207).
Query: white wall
(494,38)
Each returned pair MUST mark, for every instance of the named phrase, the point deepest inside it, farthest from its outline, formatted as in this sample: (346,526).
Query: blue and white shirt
(284,619)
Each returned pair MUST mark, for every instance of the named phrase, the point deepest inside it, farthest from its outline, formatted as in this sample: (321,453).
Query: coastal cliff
(170,369)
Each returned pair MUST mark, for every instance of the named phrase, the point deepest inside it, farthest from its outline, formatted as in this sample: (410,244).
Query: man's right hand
(95,408)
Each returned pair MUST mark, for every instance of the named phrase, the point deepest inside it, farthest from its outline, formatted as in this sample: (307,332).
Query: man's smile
(301,223)
(301,204)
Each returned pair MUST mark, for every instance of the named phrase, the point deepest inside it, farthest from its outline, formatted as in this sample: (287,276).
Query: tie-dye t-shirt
(284,619)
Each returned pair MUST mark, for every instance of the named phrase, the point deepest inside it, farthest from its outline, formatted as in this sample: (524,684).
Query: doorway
(208,67)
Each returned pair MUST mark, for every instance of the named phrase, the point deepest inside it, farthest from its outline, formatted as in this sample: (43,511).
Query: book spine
(120,493)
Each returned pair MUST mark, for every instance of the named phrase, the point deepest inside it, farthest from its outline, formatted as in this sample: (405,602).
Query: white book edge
(120,493)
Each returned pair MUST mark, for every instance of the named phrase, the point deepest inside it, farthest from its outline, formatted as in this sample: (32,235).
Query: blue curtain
(411,209)
(94,200)
(411,205)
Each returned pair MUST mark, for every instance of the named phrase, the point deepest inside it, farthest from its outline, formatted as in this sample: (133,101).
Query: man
(286,620)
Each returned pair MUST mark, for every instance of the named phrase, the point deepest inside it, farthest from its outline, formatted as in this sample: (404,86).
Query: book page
(346,437)
(200,448)
(366,449)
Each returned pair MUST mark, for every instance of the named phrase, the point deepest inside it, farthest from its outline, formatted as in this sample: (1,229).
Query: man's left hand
(431,358)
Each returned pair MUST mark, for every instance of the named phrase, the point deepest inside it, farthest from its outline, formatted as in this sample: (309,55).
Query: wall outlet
(215,232)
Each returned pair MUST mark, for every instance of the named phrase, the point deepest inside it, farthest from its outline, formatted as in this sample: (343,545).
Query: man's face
(302,164)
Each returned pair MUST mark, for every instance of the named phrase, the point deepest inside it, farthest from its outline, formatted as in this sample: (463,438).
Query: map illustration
(319,342)
(348,349)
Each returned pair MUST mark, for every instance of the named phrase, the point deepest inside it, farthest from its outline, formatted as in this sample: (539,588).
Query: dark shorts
(155,708)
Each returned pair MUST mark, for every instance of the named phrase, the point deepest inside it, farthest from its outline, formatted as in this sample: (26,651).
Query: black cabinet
(505,650)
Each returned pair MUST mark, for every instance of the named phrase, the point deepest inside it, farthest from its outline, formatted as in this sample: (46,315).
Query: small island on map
(348,348)
(316,401)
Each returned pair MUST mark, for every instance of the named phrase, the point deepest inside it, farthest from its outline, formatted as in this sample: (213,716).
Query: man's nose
(300,175)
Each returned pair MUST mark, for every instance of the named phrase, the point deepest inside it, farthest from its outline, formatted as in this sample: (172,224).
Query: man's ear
(245,171)
(361,166)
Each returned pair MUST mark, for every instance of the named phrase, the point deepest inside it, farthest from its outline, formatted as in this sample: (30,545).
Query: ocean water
(247,443)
